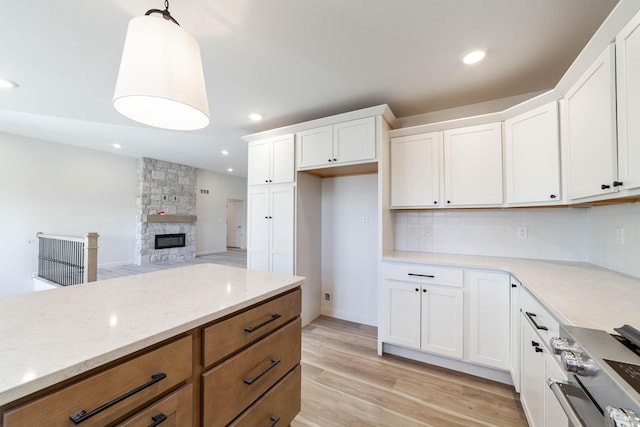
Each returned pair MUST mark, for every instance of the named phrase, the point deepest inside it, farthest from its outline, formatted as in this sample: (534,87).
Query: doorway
(235,216)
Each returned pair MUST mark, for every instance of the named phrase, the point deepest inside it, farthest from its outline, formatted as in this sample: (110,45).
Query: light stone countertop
(579,294)
(49,336)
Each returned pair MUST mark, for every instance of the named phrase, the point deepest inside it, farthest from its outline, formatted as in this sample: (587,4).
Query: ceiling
(290,60)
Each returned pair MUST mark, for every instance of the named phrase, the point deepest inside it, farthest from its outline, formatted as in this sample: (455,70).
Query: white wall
(349,248)
(211,227)
(559,234)
(602,223)
(60,189)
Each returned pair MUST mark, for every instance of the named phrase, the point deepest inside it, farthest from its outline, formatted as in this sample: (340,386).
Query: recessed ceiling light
(230,170)
(473,57)
(225,152)
(7,84)
(117,146)
(255,117)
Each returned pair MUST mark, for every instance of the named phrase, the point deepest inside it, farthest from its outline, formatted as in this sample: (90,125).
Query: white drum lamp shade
(161,82)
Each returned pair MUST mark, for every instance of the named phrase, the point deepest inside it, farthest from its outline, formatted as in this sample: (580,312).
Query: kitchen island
(79,339)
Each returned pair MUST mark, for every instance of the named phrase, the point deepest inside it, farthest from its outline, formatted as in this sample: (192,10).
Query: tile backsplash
(569,234)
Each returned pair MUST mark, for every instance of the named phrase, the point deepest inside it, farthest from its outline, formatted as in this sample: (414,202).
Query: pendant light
(161,82)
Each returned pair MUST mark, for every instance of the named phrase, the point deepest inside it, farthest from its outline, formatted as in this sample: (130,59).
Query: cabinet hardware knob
(250,380)
(538,350)
(266,180)
(83,415)
(329,159)
(266,322)
(617,183)
(158,419)
(535,344)
(435,202)
(513,285)
(417,289)
(448,201)
(604,186)
(266,217)
(553,196)
(424,290)
(335,160)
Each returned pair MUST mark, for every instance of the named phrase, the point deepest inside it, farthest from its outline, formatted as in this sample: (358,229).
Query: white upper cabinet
(271,161)
(415,170)
(473,165)
(343,143)
(590,129)
(532,156)
(628,86)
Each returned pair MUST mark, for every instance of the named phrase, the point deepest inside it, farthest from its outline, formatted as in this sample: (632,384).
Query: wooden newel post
(91,257)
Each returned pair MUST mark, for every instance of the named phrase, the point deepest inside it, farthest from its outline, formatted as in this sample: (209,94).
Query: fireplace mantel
(169,218)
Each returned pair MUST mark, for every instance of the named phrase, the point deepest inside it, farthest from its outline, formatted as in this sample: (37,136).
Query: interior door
(235,232)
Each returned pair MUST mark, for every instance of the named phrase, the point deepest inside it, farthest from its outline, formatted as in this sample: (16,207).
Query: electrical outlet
(165,197)
(619,236)
(328,297)
(523,232)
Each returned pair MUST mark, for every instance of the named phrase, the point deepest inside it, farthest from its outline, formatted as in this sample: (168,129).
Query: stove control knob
(559,344)
(618,417)
(573,362)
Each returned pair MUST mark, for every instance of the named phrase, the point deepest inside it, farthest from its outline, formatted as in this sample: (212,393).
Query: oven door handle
(567,407)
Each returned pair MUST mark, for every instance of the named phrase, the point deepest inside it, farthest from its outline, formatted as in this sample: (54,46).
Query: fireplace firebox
(166,241)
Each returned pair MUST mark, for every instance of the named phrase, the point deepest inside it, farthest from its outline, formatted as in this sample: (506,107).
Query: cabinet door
(532,386)
(473,165)
(628,86)
(489,318)
(281,219)
(415,170)
(282,159)
(515,332)
(354,141)
(532,154)
(401,313)
(590,124)
(314,147)
(258,225)
(442,313)
(258,171)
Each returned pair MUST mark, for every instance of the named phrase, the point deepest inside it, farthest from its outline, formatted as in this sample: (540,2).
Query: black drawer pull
(274,420)
(83,415)
(421,275)
(250,381)
(158,419)
(266,322)
(538,350)
(531,317)
(535,344)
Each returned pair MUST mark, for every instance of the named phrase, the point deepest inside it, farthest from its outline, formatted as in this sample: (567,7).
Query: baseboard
(329,311)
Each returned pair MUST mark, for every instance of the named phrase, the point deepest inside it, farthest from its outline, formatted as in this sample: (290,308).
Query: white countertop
(579,294)
(49,336)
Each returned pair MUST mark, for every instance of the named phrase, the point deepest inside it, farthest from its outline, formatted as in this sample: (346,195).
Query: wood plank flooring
(345,383)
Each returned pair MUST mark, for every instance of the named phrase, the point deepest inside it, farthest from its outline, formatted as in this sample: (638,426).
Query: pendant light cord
(165,13)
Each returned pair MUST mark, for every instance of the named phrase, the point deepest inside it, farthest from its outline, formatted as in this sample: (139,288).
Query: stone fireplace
(166,205)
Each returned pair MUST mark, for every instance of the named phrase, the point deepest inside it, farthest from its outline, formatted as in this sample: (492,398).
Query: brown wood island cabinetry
(241,370)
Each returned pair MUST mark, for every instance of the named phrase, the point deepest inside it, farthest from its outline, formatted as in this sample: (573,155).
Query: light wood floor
(345,383)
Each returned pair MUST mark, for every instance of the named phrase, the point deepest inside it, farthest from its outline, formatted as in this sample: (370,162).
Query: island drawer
(127,386)
(278,406)
(249,374)
(228,336)
(423,273)
(172,411)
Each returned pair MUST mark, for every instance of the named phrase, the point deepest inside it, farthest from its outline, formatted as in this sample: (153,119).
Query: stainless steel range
(604,376)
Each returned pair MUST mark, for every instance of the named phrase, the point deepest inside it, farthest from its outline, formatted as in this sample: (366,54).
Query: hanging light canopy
(161,82)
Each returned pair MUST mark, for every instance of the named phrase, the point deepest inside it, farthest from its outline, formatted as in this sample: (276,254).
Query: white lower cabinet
(489,318)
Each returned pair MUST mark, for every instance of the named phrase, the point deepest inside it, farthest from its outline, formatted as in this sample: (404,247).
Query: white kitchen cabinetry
(415,170)
(532,376)
(590,129)
(271,160)
(515,332)
(473,165)
(489,318)
(628,87)
(532,156)
(348,142)
(271,228)
(420,313)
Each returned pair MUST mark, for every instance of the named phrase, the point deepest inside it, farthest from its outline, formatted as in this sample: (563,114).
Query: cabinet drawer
(539,317)
(279,406)
(247,375)
(173,359)
(422,273)
(173,411)
(224,338)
